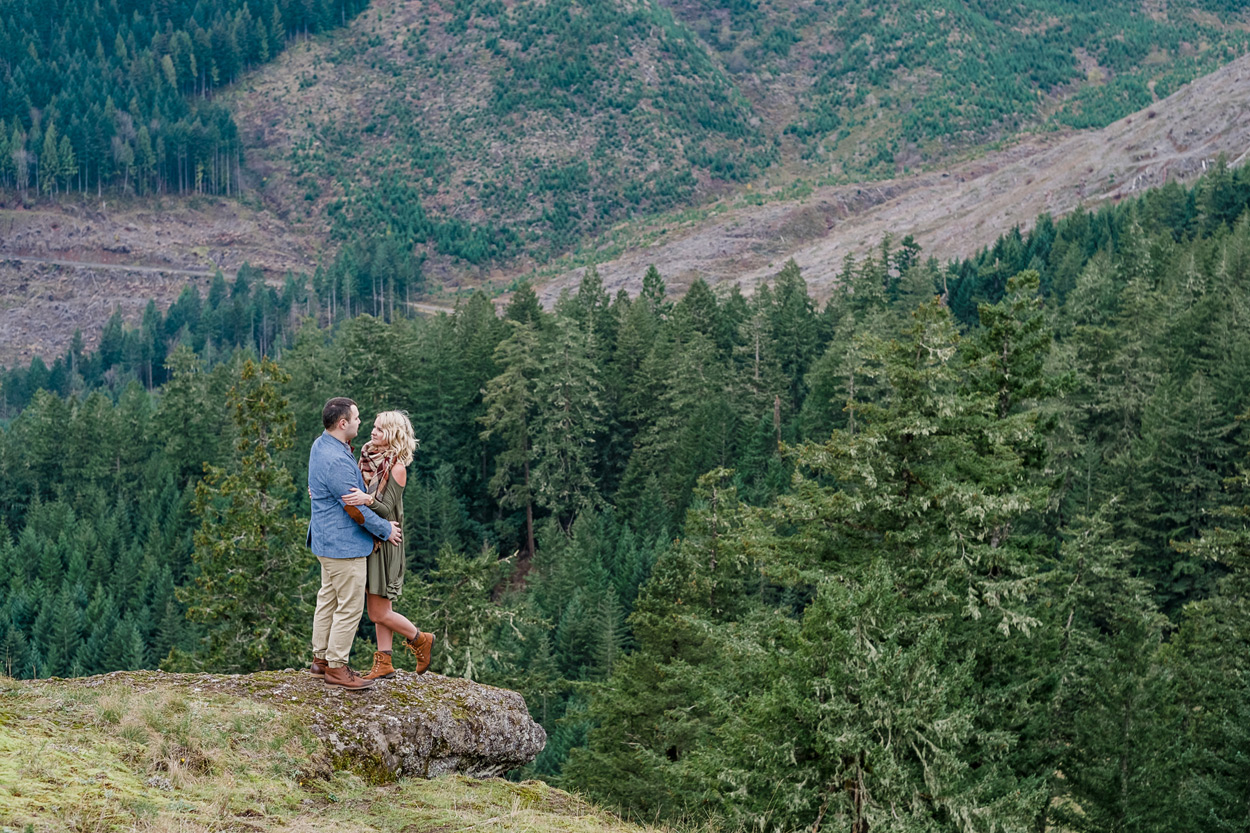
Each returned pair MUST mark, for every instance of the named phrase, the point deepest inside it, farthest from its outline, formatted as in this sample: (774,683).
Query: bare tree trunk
(529,516)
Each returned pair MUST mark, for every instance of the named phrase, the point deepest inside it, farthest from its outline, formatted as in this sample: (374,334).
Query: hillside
(499,142)
(494,135)
(951,212)
(485,134)
(148,751)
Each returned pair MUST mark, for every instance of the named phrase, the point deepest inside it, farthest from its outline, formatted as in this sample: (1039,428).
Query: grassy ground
(97,755)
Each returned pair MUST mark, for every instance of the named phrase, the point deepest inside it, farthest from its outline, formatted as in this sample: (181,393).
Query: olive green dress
(386,563)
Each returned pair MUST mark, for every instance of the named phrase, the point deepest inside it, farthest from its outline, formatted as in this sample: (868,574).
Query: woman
(383,463)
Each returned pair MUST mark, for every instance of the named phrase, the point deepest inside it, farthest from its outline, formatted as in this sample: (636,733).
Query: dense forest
(120,94)
(966,548)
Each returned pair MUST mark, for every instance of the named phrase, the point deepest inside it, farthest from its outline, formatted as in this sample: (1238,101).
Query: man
(341,537)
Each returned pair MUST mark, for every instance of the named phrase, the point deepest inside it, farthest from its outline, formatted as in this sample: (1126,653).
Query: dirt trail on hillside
(954,212)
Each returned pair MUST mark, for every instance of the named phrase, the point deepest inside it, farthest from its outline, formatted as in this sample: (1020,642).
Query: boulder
(412,726)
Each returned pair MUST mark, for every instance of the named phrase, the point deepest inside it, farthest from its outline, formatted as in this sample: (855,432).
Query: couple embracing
(356,533)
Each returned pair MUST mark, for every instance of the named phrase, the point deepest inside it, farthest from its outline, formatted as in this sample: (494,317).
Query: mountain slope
(874,87)
(495,135)
(483,132)
(951,212)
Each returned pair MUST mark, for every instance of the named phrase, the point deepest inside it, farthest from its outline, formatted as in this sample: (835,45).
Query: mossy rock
(410,725)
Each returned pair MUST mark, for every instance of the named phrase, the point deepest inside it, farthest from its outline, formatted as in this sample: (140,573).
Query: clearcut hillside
(496,141)
(496,135)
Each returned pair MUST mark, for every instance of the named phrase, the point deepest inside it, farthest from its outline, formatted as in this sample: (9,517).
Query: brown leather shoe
(319,666)
(422,647)
(382,668)
(346,678)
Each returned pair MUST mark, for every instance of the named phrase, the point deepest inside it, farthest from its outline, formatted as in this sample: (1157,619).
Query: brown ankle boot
(346,678)
(382,668)
(422,647)
(319,666)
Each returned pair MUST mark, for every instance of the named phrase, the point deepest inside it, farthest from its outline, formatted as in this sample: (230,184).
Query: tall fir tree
(511,407)
(250,594)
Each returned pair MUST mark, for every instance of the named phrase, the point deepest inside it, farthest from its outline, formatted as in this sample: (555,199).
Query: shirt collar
(332,438)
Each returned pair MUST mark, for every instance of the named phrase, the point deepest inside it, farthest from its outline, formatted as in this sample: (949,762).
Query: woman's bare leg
(387,622)
(378,607)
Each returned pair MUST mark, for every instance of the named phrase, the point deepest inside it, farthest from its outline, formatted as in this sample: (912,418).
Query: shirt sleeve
(345,476)
(385,505)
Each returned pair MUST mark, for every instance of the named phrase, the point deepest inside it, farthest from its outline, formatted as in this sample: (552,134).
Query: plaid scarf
(375,467)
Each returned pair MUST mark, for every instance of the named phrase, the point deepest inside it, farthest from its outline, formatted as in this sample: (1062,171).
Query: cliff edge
(199,751)
(408,726)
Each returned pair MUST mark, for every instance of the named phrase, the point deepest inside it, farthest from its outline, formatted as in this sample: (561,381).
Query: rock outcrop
(422,726)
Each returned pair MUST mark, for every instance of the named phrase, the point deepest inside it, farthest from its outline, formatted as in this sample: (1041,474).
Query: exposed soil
(67,265)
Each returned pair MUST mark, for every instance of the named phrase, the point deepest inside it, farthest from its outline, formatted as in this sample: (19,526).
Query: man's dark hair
(340,407)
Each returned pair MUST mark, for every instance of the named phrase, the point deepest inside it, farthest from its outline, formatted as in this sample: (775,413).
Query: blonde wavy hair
(397,435)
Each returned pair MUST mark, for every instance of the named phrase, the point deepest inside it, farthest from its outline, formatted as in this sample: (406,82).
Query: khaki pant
(340,603)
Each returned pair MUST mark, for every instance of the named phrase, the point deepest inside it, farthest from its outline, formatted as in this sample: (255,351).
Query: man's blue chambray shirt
(332,472)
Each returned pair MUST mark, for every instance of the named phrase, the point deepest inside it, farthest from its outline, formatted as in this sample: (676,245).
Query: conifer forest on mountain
(964,548)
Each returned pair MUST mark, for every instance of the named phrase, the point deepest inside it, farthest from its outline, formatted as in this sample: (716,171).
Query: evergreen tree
(511,405)
(568,421)
(653,292)
(1112,713)
(250,592)
(794,330)
(1212,670)
(524,307)
(192,417)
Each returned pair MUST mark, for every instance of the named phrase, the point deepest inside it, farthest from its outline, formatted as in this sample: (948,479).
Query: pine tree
(250,593)
(543,681)
(694,429)
(567,422)
(191,420)
(659,709)
(653,293)
(49,160)
(66,632)
(610,634)
(924,582)
(511,405)
(68,162)
(1112,720)
(524,307)
(369,360)
(759,374)
(795,331)
(1213,671)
